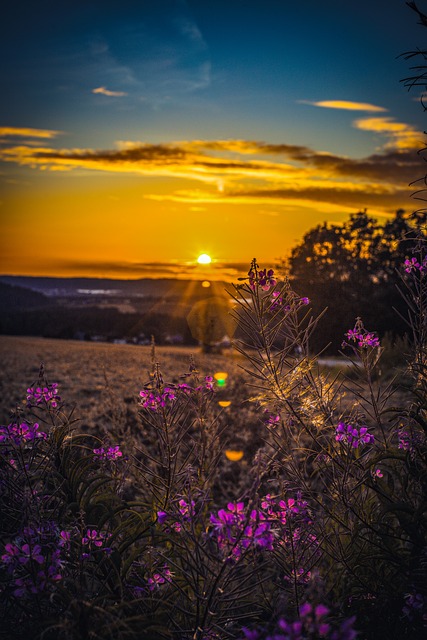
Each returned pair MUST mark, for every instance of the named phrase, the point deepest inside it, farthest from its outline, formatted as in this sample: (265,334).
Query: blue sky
(166,129)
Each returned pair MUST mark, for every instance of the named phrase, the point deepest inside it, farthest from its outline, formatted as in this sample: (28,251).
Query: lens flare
(234,456)
(221,377)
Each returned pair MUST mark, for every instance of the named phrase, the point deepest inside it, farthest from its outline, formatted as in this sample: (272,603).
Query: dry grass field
(98,378)
(100,383)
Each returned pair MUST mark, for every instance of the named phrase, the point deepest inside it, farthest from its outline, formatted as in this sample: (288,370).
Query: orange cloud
(401,135)
(27,132)
(252,171)
(181,160)
(347,104)
(327,197)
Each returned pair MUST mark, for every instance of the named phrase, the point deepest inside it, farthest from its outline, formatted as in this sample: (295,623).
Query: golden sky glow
(207,189)
(133,141)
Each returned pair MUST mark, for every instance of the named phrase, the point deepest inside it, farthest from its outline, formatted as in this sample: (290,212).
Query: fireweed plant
(137,538)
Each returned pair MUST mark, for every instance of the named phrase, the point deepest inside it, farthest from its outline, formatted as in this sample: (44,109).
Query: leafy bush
(160,535)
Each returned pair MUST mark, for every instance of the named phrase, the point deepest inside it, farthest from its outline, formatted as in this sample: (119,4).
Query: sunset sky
(136,135)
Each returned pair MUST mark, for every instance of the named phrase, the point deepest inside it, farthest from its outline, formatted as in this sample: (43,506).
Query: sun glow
(204,259)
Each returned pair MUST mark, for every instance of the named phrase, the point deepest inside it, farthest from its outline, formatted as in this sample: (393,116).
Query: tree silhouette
(352,270)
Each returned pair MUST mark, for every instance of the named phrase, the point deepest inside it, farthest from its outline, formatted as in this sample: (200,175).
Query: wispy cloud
(106,92)
(348,105)
(399,134)
(326,198)
(190,160)
(139,65)
(254,171)
(26,132)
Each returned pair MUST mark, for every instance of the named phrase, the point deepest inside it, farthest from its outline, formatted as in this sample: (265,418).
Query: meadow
(94,373)
(147,495)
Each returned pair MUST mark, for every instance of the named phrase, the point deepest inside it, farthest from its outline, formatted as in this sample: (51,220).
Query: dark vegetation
(57,321)
(155,526)
(355,266)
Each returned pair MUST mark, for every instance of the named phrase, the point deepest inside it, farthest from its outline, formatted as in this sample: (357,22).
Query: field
(91,374)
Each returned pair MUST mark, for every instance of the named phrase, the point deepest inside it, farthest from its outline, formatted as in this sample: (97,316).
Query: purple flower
(12,554)
(312,623)
(415,606)
(159,578)
(273,420)
(251,634)
(413,265)
(266,279)
(186,509)
(162,516)
(94,539)
(156,400)
(47,395)
(352,435)
(112,453)
(252,278)
(19,434)
(277,301)
(32,561)
(361,337)
(208,385)
(263,278)
(31,553)
(236,530)
(65,539)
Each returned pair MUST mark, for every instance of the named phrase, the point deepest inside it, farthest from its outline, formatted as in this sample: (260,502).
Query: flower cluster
(159,578)
(409,440)
(362,338)
(154,579)
(291,524)
(235,531)
(155,400)
(299,576)
(282,510)
(112,453)
(353,436)
(264,278)
(415,607)
(47,395)
(207,385)
(94,541)
(312,623)
(278,302)
(272,419)
(413,265)
(19,434)
(184,513)
(33,563)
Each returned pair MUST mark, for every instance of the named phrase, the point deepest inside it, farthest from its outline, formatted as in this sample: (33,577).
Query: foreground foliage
(324,537)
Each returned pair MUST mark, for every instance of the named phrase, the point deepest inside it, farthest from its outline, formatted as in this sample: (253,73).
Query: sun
(204,259)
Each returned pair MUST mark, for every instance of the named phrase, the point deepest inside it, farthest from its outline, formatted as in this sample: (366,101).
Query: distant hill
(56,287)
(19,298)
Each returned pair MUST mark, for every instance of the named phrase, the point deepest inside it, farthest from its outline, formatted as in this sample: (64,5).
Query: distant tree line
(352,270)
(28,313)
